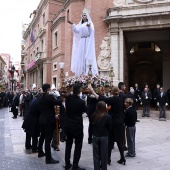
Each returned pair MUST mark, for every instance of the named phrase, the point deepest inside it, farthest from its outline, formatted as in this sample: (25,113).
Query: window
(43,18)
(35,33)
(38,28)
(42,45)
(55,66)
(55,81)
(34,53)
(56,39)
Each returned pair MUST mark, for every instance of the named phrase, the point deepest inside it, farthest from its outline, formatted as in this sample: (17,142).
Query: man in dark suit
(156,95)
(162,102)
(1,99)
(47,122)
(146,99)
(137,95)
(15,105)
(75,107)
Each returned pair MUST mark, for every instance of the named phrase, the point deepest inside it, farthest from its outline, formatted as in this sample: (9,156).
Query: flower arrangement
(83,81)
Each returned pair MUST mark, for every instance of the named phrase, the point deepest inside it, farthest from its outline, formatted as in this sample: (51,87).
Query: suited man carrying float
(162,102)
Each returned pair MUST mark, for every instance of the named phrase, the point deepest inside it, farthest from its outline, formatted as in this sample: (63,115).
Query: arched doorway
(145,64)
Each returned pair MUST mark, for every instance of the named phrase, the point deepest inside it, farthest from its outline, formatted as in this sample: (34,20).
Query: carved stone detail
(105,54)
(119,3)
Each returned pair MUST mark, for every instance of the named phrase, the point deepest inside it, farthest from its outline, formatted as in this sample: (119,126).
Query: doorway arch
(145,64)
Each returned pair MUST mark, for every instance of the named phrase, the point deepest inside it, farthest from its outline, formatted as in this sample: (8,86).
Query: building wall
(56,12)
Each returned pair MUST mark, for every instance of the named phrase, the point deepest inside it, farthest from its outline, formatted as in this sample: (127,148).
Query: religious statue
(105,54)
(83,51)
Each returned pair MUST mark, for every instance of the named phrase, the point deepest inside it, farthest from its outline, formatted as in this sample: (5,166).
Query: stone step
(153,114)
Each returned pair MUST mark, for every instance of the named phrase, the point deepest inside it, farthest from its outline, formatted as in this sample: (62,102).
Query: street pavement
(152,147)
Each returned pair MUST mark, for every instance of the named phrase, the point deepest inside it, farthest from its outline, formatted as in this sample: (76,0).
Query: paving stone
(152,147)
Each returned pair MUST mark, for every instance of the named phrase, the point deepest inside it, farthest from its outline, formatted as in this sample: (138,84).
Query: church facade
(133,35)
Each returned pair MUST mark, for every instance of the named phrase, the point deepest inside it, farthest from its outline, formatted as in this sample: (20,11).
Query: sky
(12,14)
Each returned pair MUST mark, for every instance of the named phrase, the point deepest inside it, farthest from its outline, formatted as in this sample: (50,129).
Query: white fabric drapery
(83,48)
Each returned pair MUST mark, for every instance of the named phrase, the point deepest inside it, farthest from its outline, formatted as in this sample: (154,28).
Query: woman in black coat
(117,122)
(31,125)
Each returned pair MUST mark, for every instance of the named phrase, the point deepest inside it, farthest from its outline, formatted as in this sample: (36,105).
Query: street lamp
(12,79)
(111,74)
(62,77)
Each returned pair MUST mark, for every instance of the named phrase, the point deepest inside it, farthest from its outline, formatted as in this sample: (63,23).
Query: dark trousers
(47,131)
(162,111)
(78,136)
(28,142)
(15,112)
(90,129)
(146,109)
(130,133)
(100,152)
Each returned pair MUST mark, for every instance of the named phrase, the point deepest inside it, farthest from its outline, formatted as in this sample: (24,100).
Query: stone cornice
(67,3)
(59,20)
(57,56)
(60,11)
(119,13)
(37,16)
(39,11)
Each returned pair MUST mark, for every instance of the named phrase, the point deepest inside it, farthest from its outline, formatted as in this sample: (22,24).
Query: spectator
(130,121)
(102,125)
(162,103)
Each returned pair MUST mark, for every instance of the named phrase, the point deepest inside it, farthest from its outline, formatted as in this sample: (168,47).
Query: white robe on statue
(83,49)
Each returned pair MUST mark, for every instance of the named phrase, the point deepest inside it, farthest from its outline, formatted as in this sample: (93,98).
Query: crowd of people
(112,120)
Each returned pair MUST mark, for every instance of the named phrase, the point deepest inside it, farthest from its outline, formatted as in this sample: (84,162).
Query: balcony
(41,32)
(38,56)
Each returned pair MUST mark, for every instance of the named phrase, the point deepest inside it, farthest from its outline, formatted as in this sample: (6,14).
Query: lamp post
(12,79)
(111,74)
(62,77)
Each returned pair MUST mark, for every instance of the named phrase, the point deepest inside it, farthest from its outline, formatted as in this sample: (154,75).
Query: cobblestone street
(152,147)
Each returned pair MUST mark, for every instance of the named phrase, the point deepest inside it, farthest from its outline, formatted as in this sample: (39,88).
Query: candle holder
(111,74)
(62,77)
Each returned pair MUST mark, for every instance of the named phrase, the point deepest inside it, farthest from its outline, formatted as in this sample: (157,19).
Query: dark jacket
(75,107)
(130,117)
(146,100)
(162,100)
(46,108)
(31,121)
(15,103)
(103,126)
(116,108)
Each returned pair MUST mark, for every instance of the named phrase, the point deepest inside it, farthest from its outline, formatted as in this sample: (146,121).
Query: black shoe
(67,167)
(41,154)
(127,155)
(20,115)
(108,162)
(28,147)
(52,161)
(35,151)
(137,120)
(78,168)
(143,115)
(125,148)
(122,161)
(14,117)
(56,149)
(148,115)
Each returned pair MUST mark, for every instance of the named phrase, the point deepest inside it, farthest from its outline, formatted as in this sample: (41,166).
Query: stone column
(166,71)
(115,54)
